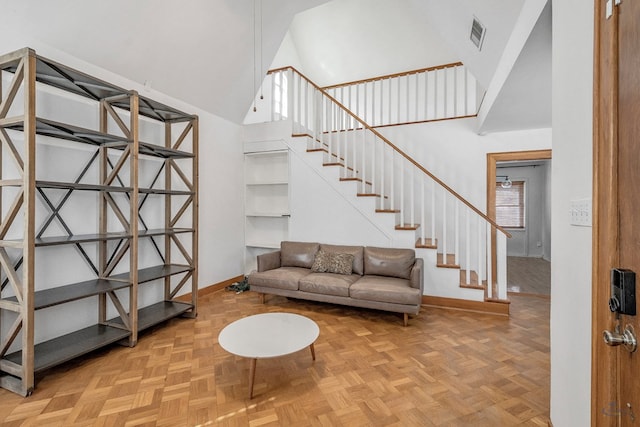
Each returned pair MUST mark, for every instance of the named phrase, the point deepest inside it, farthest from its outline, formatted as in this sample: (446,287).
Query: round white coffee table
(268,335)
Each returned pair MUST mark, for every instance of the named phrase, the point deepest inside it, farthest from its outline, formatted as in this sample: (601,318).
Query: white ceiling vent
(477,33)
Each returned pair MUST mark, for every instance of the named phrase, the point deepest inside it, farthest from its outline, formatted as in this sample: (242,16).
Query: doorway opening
(519,198)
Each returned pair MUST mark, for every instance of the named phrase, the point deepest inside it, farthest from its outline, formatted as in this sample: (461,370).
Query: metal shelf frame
(117,155)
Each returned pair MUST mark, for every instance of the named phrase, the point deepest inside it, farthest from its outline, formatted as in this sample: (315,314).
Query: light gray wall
(571,245)
(530,241)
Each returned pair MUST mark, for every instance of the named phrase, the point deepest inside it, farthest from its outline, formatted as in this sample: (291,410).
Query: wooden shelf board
(72,292)
(164,231)
(157,313)
(166,192)
(80,238)
(67,347)
(164,152)
(156,272)
(86,187)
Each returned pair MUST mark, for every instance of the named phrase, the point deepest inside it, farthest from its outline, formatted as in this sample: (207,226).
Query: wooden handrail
(398,150)
(395,75)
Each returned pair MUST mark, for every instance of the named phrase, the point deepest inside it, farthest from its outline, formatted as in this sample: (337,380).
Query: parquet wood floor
(447,368)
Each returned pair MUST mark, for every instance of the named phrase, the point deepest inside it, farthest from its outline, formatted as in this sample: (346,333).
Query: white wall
(571,245)
(529,242)
(221,236)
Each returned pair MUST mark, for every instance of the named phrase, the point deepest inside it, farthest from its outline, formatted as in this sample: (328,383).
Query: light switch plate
(580,212)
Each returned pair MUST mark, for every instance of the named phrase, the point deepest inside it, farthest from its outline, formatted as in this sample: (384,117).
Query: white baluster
(501,254)
(382,172)
(433,211)
(373,164)
(435,95)
(479,225)
(426,95)
(399,100)
(423,224)
(364,160)
(444,225)
(408,80)
(445,93)
(373,103)
(392,187)
(402,209)
(390,83)
(489,262)
(413,181)
(416,94)
(467,276)
(298,108)
(273,97)
(455,92)
(456,217)
(354,138)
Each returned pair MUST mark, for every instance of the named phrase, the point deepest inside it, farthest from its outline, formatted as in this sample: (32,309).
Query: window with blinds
(510,206)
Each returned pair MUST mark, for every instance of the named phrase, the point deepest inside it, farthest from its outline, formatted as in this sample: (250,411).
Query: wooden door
(615,369)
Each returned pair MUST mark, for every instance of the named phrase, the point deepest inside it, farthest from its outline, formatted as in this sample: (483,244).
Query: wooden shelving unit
(120,160)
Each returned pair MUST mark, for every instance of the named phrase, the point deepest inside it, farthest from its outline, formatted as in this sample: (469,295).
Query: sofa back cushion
(389,262)
(356,251)
(298,254)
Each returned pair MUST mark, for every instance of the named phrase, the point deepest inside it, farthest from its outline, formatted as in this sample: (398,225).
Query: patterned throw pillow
(340,263)
(321,262)
(329,262)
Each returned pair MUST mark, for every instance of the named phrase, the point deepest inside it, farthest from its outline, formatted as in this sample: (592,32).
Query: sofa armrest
(417,278)
(269,261)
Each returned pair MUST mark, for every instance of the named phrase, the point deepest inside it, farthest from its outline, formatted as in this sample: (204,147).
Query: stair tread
(427,243)
(407,227)
(449,263)
(473,280)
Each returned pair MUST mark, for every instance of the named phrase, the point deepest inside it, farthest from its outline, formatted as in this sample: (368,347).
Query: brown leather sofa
(370,277)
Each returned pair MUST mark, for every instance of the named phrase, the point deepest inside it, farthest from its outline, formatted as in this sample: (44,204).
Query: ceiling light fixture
(504,181)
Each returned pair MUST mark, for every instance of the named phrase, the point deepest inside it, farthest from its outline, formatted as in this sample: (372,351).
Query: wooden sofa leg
(406,319)
(261,298)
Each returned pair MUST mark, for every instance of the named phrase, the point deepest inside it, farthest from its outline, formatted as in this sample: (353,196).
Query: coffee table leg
(252,376)
(313,352)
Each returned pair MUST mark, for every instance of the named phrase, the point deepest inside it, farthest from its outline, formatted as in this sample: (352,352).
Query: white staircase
(461,247)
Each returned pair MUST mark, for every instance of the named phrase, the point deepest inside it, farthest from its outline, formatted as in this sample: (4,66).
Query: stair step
(427,243)
(407,227)
(387,211)
(449,263)
(473,280)
(316,150)
(333,164)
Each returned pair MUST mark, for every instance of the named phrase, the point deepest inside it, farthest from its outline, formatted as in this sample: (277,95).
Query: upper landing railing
(429,94)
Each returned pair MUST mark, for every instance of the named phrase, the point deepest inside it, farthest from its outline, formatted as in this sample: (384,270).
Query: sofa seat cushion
(281,278)
(385,289)
(328,283)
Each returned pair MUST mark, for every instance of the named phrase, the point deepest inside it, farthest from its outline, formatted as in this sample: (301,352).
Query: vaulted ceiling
(206,52)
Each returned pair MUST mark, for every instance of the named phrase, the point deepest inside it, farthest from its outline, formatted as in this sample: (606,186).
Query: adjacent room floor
(527,275)
(448,367)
